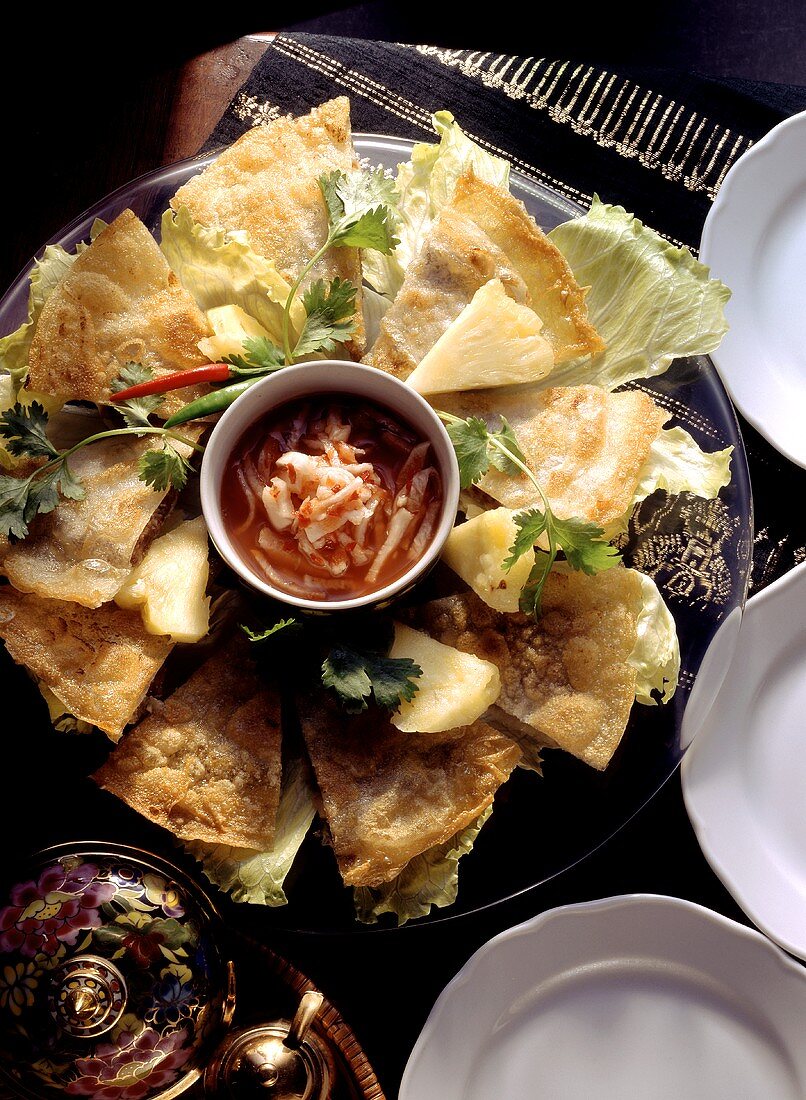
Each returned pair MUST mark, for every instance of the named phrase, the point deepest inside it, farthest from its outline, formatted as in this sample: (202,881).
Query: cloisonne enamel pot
(114,985)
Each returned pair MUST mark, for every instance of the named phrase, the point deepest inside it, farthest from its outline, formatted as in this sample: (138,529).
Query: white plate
(630,998)
(754,239)
(744,777)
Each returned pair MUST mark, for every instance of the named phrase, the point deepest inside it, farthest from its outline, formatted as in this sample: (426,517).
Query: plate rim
(698,799)
(711,227)
(532,926)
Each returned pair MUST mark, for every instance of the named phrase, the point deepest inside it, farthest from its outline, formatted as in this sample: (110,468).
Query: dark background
(86,109)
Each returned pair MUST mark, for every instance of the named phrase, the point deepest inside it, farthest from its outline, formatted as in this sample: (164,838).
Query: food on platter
(567,675)
(388,796)
(554,293)
(454,688)
(169,584)
(477,550)
(265,185)
(495,341)
(587,447)
(83,550)
(331,497)
(206,765)
(531,637)
(98,662)
(118,303)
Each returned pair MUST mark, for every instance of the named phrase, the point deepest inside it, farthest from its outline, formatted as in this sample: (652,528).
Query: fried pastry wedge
(456,259)
(83,550)
(265,184)
(554,293)
(207,764)
(99,663)
(118,303)
(585,445)
(388,796)
(565,678)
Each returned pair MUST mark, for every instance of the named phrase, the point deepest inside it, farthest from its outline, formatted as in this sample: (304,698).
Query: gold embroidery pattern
(682,541)
(638,123)
(250,109)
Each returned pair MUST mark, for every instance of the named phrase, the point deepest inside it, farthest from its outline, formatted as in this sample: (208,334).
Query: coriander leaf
(507,437)
(264,635)
(132,374)
(470,438)
(532,592)
(137,410)
(531,525)
(25,427)
(582,544)
(355,676)
(359,210)
(68,483)
(330,318)
(344,671)
(360,191)
(393,680)
(13,498)
(261,356)
(163,468)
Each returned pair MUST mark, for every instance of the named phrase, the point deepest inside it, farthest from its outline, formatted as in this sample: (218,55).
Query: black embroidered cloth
(659,143)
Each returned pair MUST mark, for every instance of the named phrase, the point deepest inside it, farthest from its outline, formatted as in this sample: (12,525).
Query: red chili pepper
(210,372)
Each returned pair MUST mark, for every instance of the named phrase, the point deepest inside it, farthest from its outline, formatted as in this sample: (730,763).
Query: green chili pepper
(213,402)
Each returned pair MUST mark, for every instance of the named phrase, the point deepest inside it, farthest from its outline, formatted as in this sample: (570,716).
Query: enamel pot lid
(112,983)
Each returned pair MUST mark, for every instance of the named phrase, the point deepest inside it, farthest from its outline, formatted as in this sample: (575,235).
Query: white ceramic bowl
(322,377)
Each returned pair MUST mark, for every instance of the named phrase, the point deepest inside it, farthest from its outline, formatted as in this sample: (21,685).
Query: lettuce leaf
(374,306)
(258,877)
(52,266)
(651,302)
(430,879)
(677,464)
(219,268)
(425,184)
(656,656)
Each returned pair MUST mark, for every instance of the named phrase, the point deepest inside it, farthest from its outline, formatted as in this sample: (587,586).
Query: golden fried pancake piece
(207,764)
(99,663)
(266,185)
(387,795)
(83,549)
(554,293)
(456,259)
(565,675)
(118,303)
(585,445)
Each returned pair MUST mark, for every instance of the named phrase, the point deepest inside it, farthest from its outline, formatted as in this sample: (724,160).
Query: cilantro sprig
(352,659)
(580,542)
(360,213)
(25,431)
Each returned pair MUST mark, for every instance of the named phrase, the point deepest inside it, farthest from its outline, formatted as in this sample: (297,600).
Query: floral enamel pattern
(154,931)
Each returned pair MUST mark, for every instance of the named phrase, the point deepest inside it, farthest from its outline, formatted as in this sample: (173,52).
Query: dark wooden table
(90,129)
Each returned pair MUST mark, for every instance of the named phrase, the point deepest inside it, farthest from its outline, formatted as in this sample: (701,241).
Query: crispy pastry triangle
(119,302)
(266,185)
(554,293)
(456,259)
(566,676)
(585,445)
(207,764)
(83,550)
(99,663)
(388,796)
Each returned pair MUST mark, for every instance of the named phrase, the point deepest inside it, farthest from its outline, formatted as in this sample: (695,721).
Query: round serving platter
(698,552)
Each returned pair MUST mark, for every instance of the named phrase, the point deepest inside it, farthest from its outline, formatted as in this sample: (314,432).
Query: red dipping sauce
(331,498)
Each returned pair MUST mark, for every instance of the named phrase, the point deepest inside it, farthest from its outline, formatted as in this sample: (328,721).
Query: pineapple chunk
(494,341)
(231,325)
(454,690)
(476,549)
(170,583)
